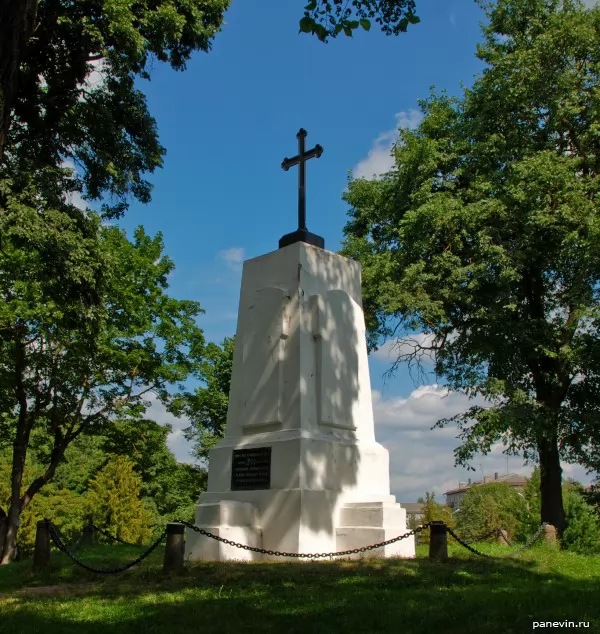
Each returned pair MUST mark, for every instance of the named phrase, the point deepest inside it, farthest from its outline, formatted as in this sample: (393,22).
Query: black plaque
(251,469)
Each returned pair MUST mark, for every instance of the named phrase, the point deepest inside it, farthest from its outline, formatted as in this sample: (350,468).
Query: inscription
(251,469)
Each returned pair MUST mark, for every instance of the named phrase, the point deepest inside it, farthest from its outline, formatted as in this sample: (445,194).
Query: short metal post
(549,534)
(502,537)
(41,554)
(174,550)
(87,539)
(438,541)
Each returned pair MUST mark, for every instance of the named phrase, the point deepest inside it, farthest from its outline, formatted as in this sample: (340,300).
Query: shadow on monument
(300,386)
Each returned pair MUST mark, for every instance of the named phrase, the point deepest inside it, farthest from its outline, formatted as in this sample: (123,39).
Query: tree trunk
(551,484)
(3,525)
(17,18)
(14,509)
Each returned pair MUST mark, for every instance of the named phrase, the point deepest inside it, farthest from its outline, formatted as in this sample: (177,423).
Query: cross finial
(302,234)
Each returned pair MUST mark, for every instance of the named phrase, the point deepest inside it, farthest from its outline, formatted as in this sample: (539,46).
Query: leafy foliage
(63,506)
(489,506)
(114,504)
(325,18)
(170,489)
(52,114)
(582,534)
(70,367)
(432,511)
(206,408)
(486,238)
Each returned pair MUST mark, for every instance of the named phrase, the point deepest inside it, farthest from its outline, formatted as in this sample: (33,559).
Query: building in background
(414,511)
(454,496)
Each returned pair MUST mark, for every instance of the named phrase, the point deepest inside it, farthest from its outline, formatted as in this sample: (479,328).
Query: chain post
(41,554)
(174,550)
(503,537)
(549,533)
(87,537)
(438,541)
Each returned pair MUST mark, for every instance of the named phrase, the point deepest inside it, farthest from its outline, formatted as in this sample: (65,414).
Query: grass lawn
(467,594)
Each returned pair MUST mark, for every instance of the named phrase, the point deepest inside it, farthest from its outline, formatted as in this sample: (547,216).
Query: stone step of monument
(369,514)
(351,537)
(226,513)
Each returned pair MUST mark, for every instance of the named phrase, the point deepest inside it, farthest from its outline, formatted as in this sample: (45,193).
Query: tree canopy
(48,48)
(206,407)
(68,369)
(486,237)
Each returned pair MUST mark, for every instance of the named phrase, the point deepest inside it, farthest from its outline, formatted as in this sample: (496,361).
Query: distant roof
(515,479)
(412,507)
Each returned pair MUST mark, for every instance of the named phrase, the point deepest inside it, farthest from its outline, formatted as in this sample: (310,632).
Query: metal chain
(463,543)
(494,531)
(88,528)
(113,571)
(109,536)
(531,540)
(525,546)
(278,553)
(101,571)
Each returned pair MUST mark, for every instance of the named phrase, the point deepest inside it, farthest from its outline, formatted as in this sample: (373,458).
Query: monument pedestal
(299,469)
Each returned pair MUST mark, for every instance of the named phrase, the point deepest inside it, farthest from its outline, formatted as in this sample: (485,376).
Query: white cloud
(74,198)
(422,459)
(234,257)
(590,3)
(392,349)
(97,76)
(176,440)
(379,159)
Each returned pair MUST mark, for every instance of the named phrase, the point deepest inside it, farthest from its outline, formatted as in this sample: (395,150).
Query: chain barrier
(101,571)
(494,531)
(88,528)
(106,534)
(467,546)
(519,550)
(277,553)
(529,543)
(70,552)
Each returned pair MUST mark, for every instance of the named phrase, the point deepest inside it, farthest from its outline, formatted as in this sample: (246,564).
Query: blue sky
(227,123)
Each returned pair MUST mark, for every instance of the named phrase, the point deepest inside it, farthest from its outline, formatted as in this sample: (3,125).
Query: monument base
(301,512)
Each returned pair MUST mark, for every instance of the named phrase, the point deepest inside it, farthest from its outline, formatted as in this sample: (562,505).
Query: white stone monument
(299,469)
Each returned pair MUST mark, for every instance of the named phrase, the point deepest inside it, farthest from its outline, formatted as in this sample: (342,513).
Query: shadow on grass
(463,595)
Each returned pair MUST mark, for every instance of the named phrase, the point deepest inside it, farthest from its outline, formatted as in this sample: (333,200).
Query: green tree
(489,506)
(432,511)
(114,503)
(486,238)
(60,41)
(206,408)
(64,507)
(531,492)
(61,377)
(170,488)
(325,18)
(582,532)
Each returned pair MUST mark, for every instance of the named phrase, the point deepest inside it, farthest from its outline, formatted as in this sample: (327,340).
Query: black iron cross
(302,234)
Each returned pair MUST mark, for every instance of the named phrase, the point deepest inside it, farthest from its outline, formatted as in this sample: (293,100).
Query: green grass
(466,594)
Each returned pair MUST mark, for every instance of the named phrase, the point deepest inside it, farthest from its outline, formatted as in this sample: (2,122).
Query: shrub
(490,506)
(582,532)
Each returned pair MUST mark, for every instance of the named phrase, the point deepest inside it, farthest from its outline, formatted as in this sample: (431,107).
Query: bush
(582,532)
(114,502)
(64,508)
(432,511)
(490,506)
